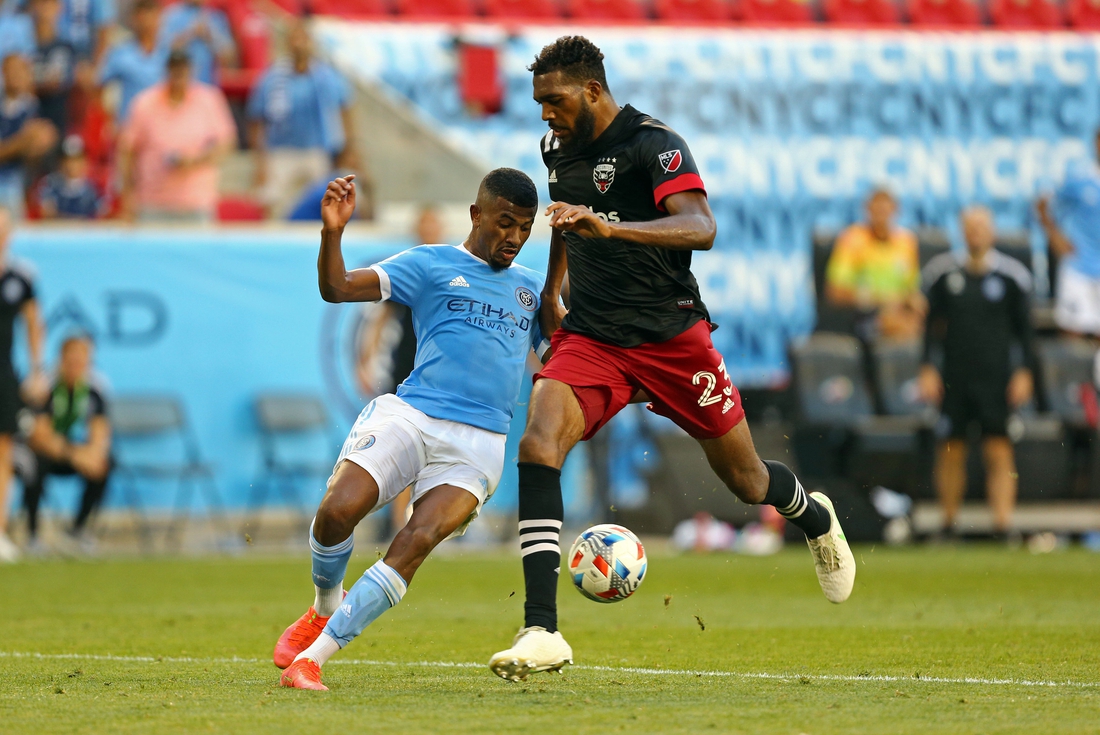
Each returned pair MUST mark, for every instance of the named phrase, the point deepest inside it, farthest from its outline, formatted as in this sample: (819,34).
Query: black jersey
(16,289)
(977,317)
(623,293)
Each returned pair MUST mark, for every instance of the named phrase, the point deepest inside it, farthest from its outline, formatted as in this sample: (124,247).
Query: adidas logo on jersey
(459,281)
(553,177)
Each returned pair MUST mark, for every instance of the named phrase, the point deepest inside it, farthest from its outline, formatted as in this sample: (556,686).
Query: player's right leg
(435,516)
(352,493)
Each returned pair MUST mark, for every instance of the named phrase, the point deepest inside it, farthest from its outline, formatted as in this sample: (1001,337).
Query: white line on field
(582,667)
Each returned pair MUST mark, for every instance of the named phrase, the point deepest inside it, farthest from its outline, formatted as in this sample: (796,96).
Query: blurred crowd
(112,113)
(971,313)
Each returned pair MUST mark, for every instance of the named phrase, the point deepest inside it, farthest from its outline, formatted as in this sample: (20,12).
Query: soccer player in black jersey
(629,207)
(16,299)
(978,308)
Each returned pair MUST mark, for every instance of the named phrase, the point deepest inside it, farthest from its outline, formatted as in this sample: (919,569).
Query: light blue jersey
(474,329)
(1077,209)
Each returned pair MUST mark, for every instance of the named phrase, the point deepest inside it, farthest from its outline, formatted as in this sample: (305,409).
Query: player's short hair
(575,56)
(146,5)
(511,185)
(881,191)
(74,338)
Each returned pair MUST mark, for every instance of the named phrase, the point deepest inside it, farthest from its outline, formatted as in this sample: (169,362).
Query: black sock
(540,516)
(793,503)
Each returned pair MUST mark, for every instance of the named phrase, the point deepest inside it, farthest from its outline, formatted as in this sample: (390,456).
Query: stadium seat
(605,9)
(522,9)
(693,10)
(288,421)
(939,13)
(436,8)
(1084,14)
(829,381)
(145,430)
(240,209)
(349,8)
(1025,13)
(896,367)
(1066,375)
(479,83)
(861,12)
(777,12)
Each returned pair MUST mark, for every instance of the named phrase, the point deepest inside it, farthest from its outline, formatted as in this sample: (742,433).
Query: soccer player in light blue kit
(476,319)
(1072,225)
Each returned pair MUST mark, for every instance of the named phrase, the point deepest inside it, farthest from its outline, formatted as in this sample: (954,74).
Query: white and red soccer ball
(607,563)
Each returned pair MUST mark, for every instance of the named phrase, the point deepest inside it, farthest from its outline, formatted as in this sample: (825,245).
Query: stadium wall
(215,317)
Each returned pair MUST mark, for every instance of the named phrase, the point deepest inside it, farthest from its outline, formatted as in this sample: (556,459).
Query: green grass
(928,613)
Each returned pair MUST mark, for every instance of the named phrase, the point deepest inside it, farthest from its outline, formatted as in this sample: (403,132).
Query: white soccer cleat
(9,552)
(534,649)
(833,560)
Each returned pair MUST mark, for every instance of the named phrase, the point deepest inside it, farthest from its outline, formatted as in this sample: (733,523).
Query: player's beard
(584,130)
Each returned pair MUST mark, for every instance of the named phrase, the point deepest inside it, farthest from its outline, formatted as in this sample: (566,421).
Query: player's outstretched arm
(689,226)
(336,283)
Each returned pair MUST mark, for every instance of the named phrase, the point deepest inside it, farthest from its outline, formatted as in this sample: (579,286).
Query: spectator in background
(204,33)
(23,136)
(87,25)
(978,309)
(300,122)
(16,34)
(17,299)
(138,63)
(71,436)
(1072,224)
(54,62)
(170,148)
(68,193)
(875,269)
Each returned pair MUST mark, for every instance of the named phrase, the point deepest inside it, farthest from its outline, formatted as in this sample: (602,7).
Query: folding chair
(283,418)
(159,420)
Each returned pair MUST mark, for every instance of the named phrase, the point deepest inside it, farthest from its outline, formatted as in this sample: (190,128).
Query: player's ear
(593,90)
(475,215)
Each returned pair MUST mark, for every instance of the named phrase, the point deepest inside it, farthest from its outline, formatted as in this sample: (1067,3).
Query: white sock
(327,601)
(321,650)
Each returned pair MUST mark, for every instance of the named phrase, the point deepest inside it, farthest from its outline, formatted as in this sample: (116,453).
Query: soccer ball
(607,563)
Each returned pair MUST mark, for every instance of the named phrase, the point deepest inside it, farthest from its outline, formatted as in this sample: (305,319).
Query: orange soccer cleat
(303,674)
(298,637)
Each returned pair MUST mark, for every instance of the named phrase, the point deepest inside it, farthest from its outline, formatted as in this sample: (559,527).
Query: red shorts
(685,378)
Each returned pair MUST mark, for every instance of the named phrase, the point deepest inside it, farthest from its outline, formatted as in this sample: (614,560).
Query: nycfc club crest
(604,174)
(526,298)
(670,160)
(365,443)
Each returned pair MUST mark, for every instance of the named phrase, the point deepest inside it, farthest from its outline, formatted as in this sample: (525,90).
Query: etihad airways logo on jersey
(604,174)
(482,314)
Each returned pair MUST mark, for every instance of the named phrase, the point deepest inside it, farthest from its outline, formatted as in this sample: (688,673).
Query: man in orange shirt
(875,268)
(170,148)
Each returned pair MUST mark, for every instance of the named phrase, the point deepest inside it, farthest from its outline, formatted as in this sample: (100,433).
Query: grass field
(184,646)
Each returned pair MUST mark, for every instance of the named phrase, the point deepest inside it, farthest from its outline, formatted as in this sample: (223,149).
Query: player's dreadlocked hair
(575,56)
(511,185)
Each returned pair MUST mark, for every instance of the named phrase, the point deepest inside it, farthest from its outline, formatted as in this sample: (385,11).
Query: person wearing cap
(68,193)
(170,148)
(299,123)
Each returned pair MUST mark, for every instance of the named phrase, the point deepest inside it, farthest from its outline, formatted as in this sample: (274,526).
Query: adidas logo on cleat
(459,281)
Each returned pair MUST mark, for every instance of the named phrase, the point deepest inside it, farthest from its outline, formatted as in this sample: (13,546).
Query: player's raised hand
(578,219)
(338,203)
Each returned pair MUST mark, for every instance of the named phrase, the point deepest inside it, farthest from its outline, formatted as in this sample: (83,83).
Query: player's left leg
(1000,472)
(436,515)
(688,382)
